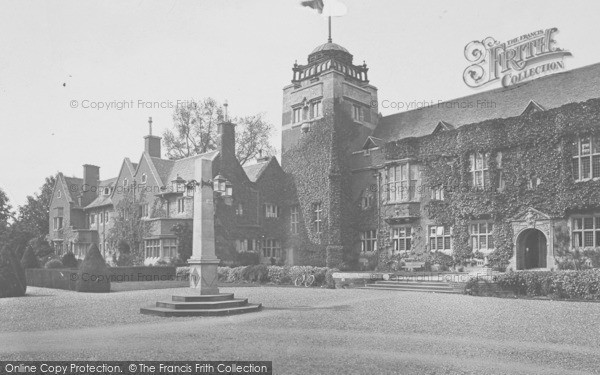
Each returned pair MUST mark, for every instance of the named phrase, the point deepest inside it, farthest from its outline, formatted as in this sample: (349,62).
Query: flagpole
(329,39)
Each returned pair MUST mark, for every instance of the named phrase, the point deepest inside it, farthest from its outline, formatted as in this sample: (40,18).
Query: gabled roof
(443,126)
(532,107)
(100,201)
(254,171)
(372,142)
(163,168)
(73,185)
(551,91)
(185,167)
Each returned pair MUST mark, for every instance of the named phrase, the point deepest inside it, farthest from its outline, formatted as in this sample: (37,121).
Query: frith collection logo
(518,60)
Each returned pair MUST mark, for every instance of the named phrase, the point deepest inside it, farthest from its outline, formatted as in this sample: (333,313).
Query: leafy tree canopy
(195,131)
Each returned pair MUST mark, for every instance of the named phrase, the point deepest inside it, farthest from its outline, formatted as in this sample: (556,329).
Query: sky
(61,58)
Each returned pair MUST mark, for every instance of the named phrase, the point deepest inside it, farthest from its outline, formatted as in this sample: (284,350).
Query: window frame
(318,217)
(594,231)
(368,241)
(271,211)
(402,181)
(445,235)
(294,219)
(484,170)
(401,235)
(476,236)
(593,157)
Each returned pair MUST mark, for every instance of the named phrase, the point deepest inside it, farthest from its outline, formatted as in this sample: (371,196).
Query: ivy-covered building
(511,175)
(85,210)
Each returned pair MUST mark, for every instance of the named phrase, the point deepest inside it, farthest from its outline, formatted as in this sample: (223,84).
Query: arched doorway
(531,249)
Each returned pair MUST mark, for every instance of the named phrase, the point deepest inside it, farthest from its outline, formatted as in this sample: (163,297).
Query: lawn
(313,330)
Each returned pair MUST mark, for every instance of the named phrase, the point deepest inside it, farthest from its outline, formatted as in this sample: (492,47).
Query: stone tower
(329,110)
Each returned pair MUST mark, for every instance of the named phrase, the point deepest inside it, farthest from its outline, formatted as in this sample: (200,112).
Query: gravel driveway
(317,331)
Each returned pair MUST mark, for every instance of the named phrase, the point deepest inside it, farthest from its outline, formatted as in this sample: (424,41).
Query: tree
(128,226)
(5,212)
(34,215)
(29,260)
(195,132)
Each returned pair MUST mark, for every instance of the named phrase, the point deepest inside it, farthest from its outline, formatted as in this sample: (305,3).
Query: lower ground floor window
(169,247)
(440,237)
(585,231)
(368,241)
(401,239)
(271,248)
(152,248)
(481,235)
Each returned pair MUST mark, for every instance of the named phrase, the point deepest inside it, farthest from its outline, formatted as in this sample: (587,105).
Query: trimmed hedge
(93,275)
(576,285)
(54,264)
(12,276)
(280,275)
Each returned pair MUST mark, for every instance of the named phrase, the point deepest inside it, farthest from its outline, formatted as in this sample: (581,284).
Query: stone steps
(412,286)
(201,305)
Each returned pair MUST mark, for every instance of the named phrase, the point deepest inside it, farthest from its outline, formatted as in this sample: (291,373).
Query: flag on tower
(314,4)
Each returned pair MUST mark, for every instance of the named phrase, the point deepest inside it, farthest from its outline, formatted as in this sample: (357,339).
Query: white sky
(239,50)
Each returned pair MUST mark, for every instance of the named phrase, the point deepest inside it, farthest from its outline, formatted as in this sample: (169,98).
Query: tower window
(294,219)
(297,115)
(368,241)
(318,217)
(356,112)
(315,110)
(144,178)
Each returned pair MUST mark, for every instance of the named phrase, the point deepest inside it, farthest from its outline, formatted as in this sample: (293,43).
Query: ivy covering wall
(538,145)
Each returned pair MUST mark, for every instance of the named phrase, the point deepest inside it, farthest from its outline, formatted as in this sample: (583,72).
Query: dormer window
(144,178)
(106,191)
(125,182)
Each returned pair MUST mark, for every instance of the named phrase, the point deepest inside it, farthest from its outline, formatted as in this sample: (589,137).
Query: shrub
(93,275)
(247,258)
(329,282)
(222,273)
(582,284)
(183,273)
(480,287)
(40,247)
(29,260)
(279,275)
(12,275)
(235,274)
(258,273)
(69,260)
(53,263)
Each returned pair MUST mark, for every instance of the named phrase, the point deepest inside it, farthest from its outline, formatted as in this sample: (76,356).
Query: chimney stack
(152,142)
(91,178)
